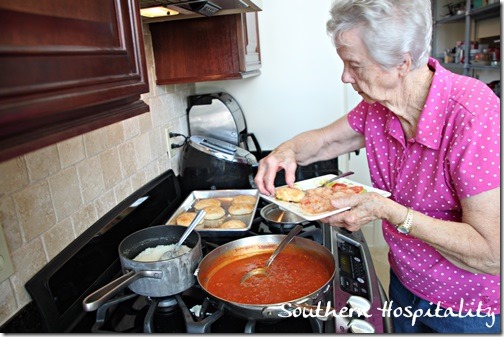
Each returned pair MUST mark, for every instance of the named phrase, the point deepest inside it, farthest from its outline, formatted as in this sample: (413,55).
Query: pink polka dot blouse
(454,155)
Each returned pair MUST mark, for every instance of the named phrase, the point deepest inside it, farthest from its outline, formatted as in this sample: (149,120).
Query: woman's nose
(346,77)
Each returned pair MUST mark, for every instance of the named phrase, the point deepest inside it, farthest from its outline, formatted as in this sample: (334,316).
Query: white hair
(388,28)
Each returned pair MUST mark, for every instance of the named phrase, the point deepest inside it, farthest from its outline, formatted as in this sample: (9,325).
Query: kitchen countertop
(26,320)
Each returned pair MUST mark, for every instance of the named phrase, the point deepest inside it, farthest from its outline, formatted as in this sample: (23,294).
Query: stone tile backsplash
(50,196)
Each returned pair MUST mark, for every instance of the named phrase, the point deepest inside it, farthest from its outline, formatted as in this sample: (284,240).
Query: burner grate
(128,313)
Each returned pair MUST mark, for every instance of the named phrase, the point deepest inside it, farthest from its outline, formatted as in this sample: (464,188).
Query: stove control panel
(352,271)
(356,285)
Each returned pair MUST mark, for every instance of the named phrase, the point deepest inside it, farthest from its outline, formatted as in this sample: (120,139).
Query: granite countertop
(26,320)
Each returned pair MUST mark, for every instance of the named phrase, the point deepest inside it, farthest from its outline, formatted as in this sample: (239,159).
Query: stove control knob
(358,306)
(360,326)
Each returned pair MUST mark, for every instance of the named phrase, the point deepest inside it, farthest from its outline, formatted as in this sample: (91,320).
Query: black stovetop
(91,261)
(193,311)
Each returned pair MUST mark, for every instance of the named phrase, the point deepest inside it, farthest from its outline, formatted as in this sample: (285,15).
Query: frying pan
(256,245)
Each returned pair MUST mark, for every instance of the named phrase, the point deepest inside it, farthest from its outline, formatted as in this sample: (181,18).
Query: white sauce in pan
(153,254)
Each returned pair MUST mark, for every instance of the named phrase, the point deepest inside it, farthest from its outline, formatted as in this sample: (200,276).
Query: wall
(50,196)
(300,86)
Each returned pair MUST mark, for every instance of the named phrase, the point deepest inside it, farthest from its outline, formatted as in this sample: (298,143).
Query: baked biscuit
(286,193)
(200,204)
(244,199)
(185,218)
(214,212)
(240,209)
(233,224)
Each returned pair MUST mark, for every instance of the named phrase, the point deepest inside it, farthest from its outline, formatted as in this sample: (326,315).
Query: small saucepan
(280,219)
(157,278)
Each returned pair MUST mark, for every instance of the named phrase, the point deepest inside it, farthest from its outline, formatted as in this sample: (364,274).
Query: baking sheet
(313,183)
(226,197)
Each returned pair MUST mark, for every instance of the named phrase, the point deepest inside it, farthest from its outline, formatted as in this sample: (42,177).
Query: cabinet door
(206,49)
(67,67)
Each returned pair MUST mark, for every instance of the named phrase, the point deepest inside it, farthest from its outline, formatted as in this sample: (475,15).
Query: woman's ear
(405,67)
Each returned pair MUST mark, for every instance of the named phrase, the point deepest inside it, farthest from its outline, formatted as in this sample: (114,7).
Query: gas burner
(280,228)
(111,315)
(167,304)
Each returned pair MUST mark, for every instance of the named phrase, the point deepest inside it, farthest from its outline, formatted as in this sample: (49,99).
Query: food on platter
(233,224)
(244,199)
(240,209)
(291,194)
(313,183)
(185,218)
(318,200)
(214,212)
(200,204)
(340,187)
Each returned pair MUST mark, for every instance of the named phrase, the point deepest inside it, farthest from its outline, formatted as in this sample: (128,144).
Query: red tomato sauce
(294,274)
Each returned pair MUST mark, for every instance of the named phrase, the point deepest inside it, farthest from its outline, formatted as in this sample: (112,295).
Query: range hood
(189,9)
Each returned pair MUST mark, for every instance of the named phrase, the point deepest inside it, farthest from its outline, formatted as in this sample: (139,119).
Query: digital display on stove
(345,264)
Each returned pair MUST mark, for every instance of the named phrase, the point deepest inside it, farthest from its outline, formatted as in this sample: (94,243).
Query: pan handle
(96,299)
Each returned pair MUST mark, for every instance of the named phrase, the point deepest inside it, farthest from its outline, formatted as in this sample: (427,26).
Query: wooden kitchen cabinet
(67,67)
(206,49)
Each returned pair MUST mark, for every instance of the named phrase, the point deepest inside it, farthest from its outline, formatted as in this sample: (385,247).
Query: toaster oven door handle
(252,136)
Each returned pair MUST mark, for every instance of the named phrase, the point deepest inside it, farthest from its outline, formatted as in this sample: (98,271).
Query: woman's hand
(365,207)
(472,244)
(308,147)
(278,159)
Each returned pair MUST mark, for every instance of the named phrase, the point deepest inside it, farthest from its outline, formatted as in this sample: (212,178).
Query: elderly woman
(433,140)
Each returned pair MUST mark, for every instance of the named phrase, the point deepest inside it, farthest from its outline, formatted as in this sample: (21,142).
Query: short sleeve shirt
(455,154)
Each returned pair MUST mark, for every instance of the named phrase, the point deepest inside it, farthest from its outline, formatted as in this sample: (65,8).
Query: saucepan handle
(94,300)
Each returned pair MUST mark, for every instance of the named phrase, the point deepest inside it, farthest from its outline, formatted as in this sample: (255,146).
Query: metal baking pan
(211,227)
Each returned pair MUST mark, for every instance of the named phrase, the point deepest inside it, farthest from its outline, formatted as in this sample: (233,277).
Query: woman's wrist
(396,213)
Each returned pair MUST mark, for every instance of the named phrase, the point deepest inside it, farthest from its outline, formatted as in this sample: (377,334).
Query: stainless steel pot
(256,245)
(280,219)
(155,279)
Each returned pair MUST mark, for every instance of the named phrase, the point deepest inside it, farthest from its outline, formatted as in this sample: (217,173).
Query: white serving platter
(313,183)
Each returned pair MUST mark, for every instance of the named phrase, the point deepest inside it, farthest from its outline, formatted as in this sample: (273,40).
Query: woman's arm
(311,146)
(472,244)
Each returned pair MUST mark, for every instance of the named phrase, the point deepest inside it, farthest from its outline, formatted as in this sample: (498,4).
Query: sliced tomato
(356,189)
(339,187)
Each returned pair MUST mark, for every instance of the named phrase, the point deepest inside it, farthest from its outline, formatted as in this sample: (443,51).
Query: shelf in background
(484,67)
(486,12)
(453,65)
(470,66)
